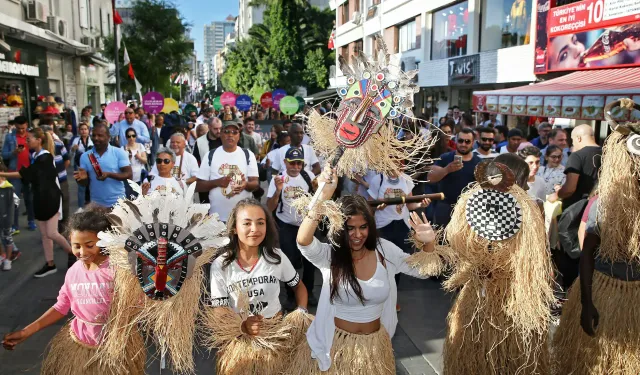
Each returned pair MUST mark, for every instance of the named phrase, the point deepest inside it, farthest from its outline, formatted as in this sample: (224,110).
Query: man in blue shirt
(542,141)
(119,129)
(454,175)
(114,164)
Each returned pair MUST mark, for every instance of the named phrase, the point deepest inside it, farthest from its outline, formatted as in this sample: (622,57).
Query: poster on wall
(571,106)
(534,105)
(592,107)
(552,105)
(504,104)
(542,11)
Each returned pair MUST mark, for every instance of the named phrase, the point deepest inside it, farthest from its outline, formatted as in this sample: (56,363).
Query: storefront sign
(552,105)
(464,70)
(534,105)
(153,102)
(571,106)
(19,69)
(592,107)
(591,14)
(492,103)
(504,104)
(519,106)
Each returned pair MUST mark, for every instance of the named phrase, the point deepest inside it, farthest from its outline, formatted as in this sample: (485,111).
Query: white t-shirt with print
(401,187)
(292,188)
(227,164)
(310,158)
(160,183)
(190,167)
(136,165)
(262,284)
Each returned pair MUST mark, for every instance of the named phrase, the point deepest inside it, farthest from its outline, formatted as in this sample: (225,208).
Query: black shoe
(46,271)
(71,259)
(312,301)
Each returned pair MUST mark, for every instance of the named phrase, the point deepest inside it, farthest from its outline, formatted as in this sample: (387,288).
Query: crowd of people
(221,156)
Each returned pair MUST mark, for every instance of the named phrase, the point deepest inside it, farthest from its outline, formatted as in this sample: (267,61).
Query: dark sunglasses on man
(487,139)
(230,131)
(465,141)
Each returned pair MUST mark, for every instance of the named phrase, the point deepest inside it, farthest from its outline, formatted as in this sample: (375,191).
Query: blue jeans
(24,188)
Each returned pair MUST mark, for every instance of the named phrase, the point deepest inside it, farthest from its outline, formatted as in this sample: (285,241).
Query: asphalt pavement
(417,343)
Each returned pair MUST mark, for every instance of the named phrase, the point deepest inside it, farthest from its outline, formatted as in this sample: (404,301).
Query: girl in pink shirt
(87,292)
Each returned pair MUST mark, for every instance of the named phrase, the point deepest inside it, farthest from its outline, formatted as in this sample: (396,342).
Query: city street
(417,342)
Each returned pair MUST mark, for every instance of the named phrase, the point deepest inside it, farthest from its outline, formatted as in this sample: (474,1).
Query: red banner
(591,14)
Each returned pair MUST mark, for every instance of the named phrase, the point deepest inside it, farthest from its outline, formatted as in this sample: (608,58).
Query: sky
(201,12)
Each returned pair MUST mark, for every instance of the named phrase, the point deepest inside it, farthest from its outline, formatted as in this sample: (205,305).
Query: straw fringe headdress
(158,246)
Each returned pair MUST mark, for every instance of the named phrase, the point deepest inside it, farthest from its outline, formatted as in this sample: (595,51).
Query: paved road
(417,343)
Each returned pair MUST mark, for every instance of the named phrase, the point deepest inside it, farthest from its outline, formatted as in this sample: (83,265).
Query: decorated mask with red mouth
(363,110)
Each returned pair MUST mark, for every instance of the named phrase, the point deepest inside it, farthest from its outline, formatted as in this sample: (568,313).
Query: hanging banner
(113,111)
(542,39)
(243,102)
(153,102)
(266,100)
(228,98)
(289,105)
(278,94)
(591,14)
(170,105)
(217,105)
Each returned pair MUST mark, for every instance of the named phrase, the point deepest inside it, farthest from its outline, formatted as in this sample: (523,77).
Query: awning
(579,95)
(322,95)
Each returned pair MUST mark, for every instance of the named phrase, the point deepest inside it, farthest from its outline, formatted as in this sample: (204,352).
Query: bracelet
(303,309)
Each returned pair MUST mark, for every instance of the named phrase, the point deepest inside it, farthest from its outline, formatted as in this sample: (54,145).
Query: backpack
(568,225)
(307,179)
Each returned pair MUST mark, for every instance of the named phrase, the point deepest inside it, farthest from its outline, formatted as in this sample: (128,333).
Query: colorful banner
(278,94)
(591,14)
(228,98)
(243,102)
(113,111)
(153,102)
(289,105)
(170,105)
(542,39)
(266,100)
(217,105)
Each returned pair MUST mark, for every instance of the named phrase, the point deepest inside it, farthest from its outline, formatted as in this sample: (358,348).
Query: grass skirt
(481,339)
(615,349)
(66,355)
(351,353)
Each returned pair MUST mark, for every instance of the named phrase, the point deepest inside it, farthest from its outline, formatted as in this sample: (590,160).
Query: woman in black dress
(47,197)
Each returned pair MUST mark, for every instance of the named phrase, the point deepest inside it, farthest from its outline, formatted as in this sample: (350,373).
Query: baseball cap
(59,100)
(294,154)
(230,123)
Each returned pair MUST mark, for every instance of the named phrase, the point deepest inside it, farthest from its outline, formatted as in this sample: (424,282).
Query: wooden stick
(413,199)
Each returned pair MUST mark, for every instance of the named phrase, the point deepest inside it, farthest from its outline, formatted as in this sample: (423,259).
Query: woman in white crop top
(356,315)
(245,290)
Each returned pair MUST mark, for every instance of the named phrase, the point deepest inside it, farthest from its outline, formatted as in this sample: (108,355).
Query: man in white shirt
(487,137)
(206,114)
(249,129)
(229,173)
(311,162)
(514,138)
(186,166)
(283,190)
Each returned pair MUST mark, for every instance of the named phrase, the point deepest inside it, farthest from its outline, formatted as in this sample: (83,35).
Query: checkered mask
(494,215)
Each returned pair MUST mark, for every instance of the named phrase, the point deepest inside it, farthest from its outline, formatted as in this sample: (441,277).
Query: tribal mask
(164,257)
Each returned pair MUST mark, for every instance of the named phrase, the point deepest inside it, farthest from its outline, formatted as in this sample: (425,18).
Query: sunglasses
(555,156)
(234,132)
(465,141)
(165,161)
(131,136)
(487,139)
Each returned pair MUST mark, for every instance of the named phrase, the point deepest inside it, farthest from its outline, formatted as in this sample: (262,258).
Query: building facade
(248,16)
(457,46)
(53,48)
(215,34)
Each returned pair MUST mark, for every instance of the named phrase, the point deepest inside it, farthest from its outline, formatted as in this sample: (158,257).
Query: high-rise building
(215,35)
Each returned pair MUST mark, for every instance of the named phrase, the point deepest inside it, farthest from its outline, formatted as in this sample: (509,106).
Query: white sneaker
(6,265)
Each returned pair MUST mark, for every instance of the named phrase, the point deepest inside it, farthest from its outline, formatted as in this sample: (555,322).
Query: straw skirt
(351,353)
(615,349)
(66,355)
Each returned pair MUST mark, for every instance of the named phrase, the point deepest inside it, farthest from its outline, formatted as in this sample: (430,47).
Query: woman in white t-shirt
(245,290)
(137,154)
(165,161)
(356,315)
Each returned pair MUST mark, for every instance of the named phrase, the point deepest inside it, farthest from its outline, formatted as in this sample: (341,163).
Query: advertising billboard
(589,34)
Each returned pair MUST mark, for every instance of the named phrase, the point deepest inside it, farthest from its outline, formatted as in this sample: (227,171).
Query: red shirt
(23,157)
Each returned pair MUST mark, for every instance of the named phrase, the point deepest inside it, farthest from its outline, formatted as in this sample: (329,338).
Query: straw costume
(607,340)
(501,264)
(158,245)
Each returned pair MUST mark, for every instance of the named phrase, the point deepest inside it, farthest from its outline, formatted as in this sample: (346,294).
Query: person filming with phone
(453,172)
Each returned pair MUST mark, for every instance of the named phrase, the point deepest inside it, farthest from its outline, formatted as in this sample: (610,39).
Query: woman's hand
(252,325)
(330,177)
(423,231)
(425,203)
(589,318)
(14,338)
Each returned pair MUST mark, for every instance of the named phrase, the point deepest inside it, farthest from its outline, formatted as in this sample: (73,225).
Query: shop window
(505,23)
(407,36)
(450,31)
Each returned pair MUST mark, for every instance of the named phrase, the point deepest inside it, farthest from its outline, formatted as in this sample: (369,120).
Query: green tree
(157,45)
(315,70)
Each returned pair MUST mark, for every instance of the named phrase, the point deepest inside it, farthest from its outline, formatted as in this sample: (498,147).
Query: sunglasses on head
(487,139)
(165,161)
(229,131)
(131,136)
(465,141)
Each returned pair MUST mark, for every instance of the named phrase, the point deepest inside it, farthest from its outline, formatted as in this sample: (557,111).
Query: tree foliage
(288,50)
(157,44)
